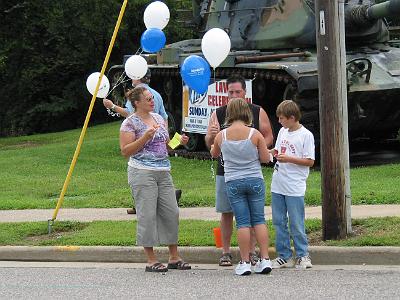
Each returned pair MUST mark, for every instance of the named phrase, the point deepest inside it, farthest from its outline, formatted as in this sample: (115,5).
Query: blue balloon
(196,73)
(152,40)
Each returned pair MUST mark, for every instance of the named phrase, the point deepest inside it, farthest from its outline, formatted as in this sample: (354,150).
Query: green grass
(372,232)
(33,170)
(368,232)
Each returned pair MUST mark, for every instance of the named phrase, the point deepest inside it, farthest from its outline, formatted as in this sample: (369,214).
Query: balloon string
(120,80)
(117,84)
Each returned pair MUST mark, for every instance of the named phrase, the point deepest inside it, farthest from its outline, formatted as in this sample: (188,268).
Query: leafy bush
(50,47)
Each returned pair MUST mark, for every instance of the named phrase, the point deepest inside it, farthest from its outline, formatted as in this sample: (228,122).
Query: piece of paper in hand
(271,157)
(175,141)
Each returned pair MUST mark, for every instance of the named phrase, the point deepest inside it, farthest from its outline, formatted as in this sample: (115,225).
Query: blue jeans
(292,206)
(247,199)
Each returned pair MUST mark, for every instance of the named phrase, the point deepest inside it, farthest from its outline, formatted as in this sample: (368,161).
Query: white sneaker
(303,263)
(280,262)
(263,266)
(243,268)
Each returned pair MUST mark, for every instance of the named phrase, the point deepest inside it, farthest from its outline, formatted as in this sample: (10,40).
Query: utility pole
(335,179)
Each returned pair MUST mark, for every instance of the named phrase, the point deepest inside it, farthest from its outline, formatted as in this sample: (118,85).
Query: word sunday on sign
(197,108)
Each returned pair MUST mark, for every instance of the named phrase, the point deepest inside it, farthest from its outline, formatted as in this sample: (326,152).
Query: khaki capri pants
(156,208)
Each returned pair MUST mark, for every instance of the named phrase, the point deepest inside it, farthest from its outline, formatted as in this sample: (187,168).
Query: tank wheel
(168,87)
(289,92)
(259,88)
(171,124)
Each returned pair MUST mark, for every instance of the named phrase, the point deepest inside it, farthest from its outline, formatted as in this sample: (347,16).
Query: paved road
(200,213)
(23,280)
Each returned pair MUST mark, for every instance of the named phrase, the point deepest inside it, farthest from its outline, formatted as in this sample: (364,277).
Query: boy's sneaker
(263,266)
(303,263)
(243,268)
(280,262)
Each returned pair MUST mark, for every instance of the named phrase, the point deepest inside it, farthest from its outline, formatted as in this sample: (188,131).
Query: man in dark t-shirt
(236,89)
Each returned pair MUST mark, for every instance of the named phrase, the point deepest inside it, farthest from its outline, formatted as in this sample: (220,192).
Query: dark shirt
(221,115)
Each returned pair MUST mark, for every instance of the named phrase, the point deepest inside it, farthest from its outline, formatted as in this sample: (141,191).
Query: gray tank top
(241,159)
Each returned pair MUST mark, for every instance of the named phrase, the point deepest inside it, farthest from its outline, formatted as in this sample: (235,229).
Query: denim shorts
(247,199)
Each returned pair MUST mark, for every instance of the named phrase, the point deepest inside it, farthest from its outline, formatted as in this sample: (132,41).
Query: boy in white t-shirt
(295,154)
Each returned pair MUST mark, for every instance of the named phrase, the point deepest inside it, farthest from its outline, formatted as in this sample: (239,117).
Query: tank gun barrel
(268,57)
(364,15)
(383,9)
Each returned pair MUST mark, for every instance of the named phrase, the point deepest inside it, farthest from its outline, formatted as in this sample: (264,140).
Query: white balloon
(215,45)
(136,67)
(156,15)
(91,84)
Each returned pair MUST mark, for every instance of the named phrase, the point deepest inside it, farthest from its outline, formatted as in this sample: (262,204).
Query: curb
(196,255)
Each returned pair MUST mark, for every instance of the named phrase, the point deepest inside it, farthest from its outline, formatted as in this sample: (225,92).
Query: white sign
(322,22)
(197,108)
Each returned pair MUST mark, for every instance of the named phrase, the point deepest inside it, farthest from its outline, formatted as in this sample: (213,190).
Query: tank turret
(281,24)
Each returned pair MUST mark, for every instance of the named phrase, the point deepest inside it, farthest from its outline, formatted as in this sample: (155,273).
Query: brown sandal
(225,260)
(157,267)
(179,265)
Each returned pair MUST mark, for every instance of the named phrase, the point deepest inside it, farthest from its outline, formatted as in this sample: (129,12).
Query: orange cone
(217,237)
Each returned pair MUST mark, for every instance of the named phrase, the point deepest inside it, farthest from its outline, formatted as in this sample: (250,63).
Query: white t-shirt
(290,179)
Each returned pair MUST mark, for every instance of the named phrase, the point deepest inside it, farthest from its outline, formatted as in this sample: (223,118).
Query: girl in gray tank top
(241,159)
(243,150)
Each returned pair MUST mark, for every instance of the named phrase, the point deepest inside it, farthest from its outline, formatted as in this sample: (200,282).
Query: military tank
(274,45)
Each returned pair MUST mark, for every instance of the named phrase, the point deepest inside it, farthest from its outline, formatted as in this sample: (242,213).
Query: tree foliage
(47,50)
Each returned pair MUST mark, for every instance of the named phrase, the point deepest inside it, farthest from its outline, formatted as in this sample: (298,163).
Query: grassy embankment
(367,232)
(33,170)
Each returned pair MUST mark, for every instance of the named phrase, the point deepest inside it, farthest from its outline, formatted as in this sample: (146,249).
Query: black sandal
(157,267)
(225,260)
(179,265)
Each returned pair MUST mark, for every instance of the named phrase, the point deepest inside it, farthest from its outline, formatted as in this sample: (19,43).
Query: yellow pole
(83,132)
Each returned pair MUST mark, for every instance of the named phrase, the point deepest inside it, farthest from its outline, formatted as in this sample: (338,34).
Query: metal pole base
(50,223)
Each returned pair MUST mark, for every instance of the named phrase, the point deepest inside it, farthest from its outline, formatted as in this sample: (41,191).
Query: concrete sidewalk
(197,213)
